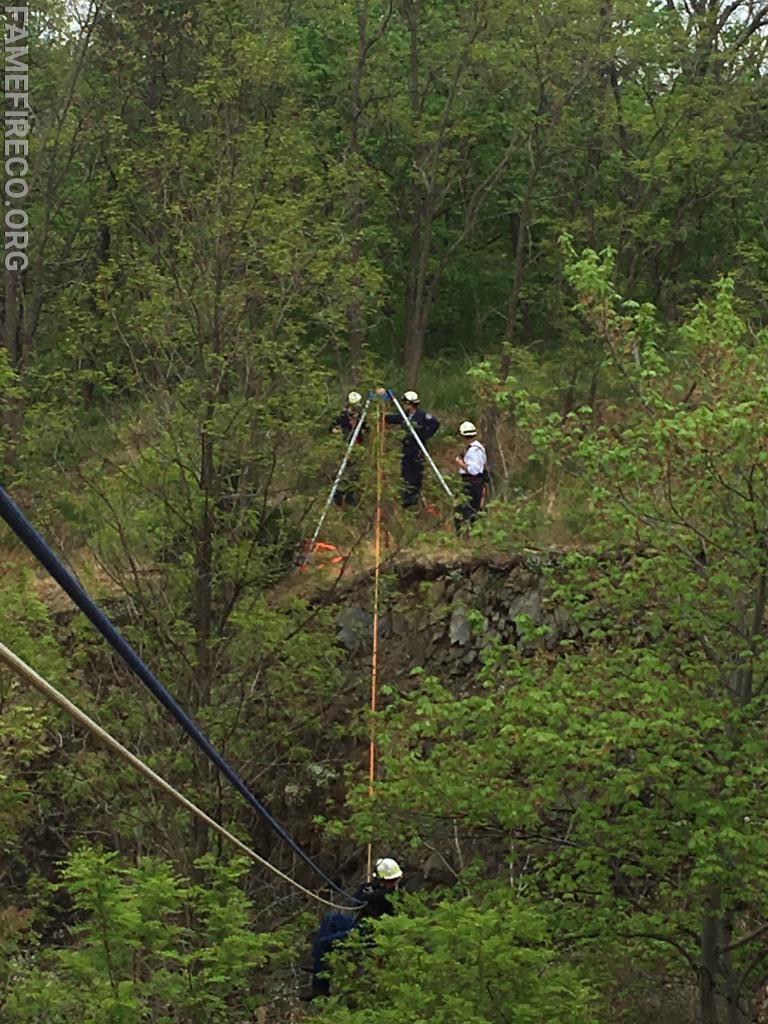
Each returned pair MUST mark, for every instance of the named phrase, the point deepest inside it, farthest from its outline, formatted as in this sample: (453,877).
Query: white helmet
(354,398)
(388,869)
(468,429)
(411,396)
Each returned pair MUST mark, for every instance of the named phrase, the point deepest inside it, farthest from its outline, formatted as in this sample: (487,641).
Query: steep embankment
(441,615)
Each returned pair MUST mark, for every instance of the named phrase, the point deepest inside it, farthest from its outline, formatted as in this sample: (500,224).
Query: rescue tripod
(377,534)
(372,396)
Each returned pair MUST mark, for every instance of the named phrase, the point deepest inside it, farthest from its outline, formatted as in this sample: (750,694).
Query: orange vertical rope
(375,644)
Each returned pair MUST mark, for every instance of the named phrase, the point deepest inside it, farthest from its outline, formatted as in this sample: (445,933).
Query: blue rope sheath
(29,536)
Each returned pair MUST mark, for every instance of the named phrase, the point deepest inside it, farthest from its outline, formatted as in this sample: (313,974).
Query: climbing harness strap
(28,675)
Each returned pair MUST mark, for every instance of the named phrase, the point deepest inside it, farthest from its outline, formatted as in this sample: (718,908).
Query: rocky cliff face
(440,616)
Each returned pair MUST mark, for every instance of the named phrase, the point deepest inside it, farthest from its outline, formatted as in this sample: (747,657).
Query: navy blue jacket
(345,424)
(424,423)
(375,898)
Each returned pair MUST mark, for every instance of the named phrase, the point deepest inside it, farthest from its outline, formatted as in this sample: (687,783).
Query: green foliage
(233,216)
(461,961)
(147,945)
(627,767)
(9,395)
(27,628)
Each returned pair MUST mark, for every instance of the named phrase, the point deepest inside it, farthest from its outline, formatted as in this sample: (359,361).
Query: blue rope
(29,536)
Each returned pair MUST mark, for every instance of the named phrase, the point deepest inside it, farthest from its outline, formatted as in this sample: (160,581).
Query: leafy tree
(148,946)
(215,298)
(27,628)
(480,961)
(232,207)
(629,770)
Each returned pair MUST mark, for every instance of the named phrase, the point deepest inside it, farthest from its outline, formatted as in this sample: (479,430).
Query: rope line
(375,641)
(37,545)
(24,672)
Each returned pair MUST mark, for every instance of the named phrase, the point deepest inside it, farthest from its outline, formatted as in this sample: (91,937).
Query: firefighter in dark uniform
(412,463)
(374,901)
(473,471)
(345,424)
(374,895)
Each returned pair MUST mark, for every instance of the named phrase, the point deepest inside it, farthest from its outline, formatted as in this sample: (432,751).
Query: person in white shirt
(472,466)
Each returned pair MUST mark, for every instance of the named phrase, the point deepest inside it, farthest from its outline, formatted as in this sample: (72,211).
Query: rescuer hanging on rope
(334,928)
(412,463)
(374,895)
(473,471)
(345,424)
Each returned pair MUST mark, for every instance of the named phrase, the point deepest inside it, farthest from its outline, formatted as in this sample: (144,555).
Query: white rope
(23,671)
(337,481)
(421,445)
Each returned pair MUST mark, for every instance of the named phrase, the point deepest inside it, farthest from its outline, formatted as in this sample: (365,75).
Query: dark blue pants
(469,506)
(412,469)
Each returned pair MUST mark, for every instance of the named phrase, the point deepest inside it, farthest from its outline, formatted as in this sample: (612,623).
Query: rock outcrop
(441,616)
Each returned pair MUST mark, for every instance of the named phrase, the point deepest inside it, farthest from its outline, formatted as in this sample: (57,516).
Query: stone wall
(441,615)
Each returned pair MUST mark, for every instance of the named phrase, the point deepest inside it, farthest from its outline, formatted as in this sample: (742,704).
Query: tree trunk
(418,296)
(355,320)
(594,381)
(513,305)
(11,410)
(204,571)
(736,1014)
(491,417)
(717,927)
(355,324)
(418,293)
(414,344)
(569,398)
(708,970)
(203,605)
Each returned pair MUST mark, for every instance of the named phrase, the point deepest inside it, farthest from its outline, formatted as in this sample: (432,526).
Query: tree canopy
(549,218)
